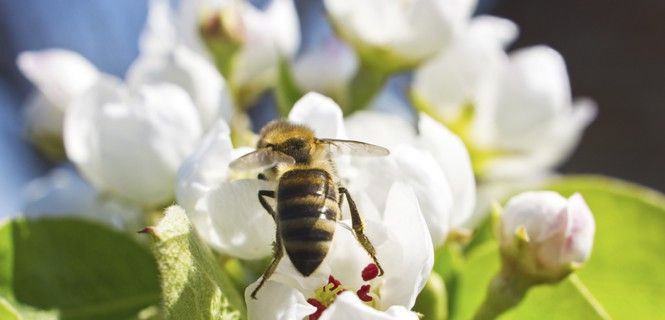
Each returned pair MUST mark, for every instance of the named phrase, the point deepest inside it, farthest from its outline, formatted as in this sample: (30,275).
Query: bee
(309,193)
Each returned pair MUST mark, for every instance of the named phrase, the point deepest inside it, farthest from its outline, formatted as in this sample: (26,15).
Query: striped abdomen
(307,210)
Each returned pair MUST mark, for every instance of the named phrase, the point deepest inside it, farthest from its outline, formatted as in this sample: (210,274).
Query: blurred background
(614,51)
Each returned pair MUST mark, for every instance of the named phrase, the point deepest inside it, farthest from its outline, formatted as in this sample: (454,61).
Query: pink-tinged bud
(546,235)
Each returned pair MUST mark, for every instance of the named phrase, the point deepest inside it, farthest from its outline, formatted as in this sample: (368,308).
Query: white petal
(64,193)
(409,259)
(581,232)
(321,114)
(539,212)
(256,63)
(493,28)
(534,91)
(206,168)
(326,68)
(452,156)
(420,171)
(462,74)
(190,71)
(561,141)
(159,34)
(245,229)
(42,116)
(348,306)
(131,144)
(61,75)
(283,18)
(276,301)
(380,128)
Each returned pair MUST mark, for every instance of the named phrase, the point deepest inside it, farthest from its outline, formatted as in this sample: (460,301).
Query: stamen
(319,309)
(363,293)
(336,283)
(370,272)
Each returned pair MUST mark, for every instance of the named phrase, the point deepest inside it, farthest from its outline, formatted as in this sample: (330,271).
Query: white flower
(327,68)
(403,33)
(404,250)
(547,234)
(164,59)
(434,162)
(130,142)
(514,111)
(64,193)
(254,40)
(60,76)
(438,169)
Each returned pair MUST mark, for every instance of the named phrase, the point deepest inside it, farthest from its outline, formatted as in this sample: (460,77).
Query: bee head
(291,139)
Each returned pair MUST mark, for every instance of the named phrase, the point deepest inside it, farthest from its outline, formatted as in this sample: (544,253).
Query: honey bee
(309,193)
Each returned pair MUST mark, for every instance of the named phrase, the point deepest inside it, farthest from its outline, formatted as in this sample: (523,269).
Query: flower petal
(533,92)
(420,171)
(191,72)
(60,75)
(409,259)
(453,158)
(244,228)
(64,193)
(321,114)
(326,68)
(348,306)
(491,28)
(538,211)
(131,144)
(159,35)
(380,128)
(583,228)
(276,301)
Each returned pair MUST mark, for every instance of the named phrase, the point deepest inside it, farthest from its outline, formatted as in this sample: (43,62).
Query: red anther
(319,308)
(336,283)
(363,293)
(370,272)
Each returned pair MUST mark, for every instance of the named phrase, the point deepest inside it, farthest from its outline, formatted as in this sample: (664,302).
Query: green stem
(366,84)
(504,292)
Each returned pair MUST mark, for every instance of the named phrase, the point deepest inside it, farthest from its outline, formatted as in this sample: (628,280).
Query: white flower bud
(545,235)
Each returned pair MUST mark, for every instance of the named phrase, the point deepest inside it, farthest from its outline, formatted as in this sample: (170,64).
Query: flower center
(326,295)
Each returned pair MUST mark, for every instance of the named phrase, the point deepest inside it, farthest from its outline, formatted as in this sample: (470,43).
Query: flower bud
(546,236)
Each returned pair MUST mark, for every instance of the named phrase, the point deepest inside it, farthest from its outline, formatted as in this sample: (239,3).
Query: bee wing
(354,148)
(261,158)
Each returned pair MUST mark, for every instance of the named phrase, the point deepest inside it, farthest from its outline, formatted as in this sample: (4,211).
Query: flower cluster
(169,130)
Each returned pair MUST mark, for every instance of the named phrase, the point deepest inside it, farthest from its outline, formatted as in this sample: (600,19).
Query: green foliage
(193,284)
(566,300)
(14,311)
(625,271)
(79,269)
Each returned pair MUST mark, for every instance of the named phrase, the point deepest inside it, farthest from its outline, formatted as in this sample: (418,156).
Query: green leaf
(566,300)
(287,91)
(8,312)
(81,269)
(193,284)
(625,271)
(14,311)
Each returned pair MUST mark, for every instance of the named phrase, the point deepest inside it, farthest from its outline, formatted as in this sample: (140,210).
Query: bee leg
(279,253)
(358,228)
(264,202)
